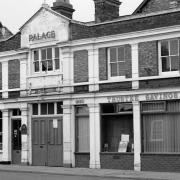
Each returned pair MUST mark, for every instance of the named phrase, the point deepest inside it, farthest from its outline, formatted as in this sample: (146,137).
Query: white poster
(55,123)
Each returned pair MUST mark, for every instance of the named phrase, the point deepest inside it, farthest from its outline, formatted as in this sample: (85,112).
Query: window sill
(160,154)
(43,74)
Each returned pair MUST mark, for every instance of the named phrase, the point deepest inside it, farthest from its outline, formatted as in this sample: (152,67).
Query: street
(38,176)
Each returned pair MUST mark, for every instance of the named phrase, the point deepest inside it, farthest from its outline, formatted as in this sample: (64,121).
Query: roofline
(10,37)
(140,6)
(48,9)
(136,16)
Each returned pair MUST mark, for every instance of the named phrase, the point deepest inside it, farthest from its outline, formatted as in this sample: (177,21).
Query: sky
(14,13)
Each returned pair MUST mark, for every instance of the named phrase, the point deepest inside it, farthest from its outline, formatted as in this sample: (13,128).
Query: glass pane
(49,53)
(164,48)
(57,64)
(44,65)
(174,63)
(44,108)
(50,65)
(174,47)
(36,55)
(82,110)
(59,108)
(43,54)
(50,108)
(57,53)
(121,54)
(114,69)
(165,64)
(113,56)
(121,68)
(35,109)
(36,66)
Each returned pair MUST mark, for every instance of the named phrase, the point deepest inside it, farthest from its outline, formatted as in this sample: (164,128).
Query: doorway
(16,141)
(47,142)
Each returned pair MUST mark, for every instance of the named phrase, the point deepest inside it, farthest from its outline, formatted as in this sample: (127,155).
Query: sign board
(125,137)
(55,123)
(42,36)
(122,146)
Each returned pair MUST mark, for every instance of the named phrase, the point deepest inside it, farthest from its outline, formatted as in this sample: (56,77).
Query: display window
(117,128)
(160,127)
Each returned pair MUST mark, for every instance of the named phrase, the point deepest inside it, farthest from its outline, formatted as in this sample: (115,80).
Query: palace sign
(42,36)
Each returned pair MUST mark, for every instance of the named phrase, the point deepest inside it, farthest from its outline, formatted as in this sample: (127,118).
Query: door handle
(41,146)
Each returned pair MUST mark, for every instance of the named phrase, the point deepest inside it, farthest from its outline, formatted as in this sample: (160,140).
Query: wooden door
(47,142)
(16,141)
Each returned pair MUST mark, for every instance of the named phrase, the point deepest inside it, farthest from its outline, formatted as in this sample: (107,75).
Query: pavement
(109,173)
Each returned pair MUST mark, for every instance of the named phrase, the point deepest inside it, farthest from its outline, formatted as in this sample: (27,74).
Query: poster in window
(123,146)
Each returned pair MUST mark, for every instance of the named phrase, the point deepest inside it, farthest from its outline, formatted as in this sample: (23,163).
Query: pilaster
(137,136)
(94,116)
(23,75)
(135,66)
(5,79)
(93,66)
(6,139)
(67,148)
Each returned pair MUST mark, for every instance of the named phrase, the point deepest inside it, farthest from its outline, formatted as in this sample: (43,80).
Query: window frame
(167,73)
(109,63)
(54,59)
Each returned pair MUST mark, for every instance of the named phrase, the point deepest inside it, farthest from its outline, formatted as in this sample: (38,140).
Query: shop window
(169,55)
(160,130)
(47,59)
(82,129)
(117,61)
(117,128)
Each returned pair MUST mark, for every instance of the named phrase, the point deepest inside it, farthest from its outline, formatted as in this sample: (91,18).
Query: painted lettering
(42,36)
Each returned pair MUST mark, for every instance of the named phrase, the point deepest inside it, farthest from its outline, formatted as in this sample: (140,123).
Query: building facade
(102,94)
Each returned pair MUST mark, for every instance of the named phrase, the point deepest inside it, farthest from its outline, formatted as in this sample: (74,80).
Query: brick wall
(148,58)
(13,74)
(160,162)
(119,86)
(103,64)
(81,66)
(157,5)
(123,161)
(157,83)
(82,160)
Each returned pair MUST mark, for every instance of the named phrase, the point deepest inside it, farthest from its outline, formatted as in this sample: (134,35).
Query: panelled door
(16,141)
(47,142)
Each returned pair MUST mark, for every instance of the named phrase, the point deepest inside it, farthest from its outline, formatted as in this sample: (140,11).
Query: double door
(47,142)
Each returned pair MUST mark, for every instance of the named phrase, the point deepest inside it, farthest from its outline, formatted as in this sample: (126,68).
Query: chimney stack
(106,10)
(63,7)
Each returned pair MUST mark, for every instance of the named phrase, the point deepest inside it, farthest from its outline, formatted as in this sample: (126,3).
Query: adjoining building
(102,94)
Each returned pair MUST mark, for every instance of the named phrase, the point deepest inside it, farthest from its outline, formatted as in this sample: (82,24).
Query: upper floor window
(117,61)
(169,55)
(46,59)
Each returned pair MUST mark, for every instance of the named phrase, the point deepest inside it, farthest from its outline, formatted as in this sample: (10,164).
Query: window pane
(121,54)
(59,108)
(174,63)
(164,48)
(35,109)
(57,53)
(36,55)
(165,64)
(174,47)
(81,110)
(49,53)
(36,66)
(113,69)
(113,56)
(121,68)
(50,108)
(0,133)
(57,64)
(44,65)
(43,54)
(50,65)
(44,108)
